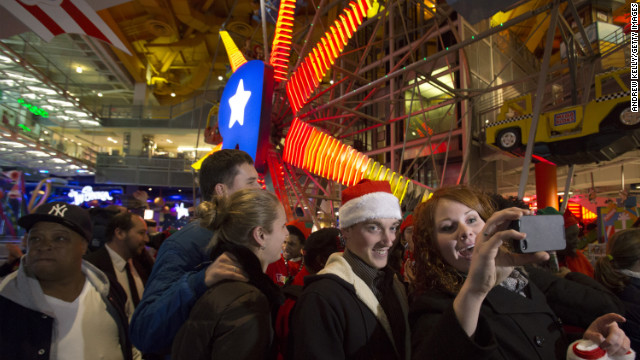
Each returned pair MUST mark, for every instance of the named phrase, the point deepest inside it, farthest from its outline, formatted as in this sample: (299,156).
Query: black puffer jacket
(510,326)
(631,298)
(232,319)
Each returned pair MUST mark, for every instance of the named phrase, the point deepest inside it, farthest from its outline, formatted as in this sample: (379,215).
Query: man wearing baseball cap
(57,306)
(355,308)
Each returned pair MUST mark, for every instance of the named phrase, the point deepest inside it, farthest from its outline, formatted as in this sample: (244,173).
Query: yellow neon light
(393,181)
(331,157)
(386,173)
(404,190)
(340,161)
(341,37)
(315,60)
(196,165)
(356,12)
(282,39)
(235,56)
(353,27)
(321,150)
(335,45)
(313,149)
(374,9)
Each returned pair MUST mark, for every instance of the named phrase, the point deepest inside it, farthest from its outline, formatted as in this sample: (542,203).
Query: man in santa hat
(355,307)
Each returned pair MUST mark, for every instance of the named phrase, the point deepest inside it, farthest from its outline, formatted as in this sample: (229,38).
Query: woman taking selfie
(233,318)
(472,301)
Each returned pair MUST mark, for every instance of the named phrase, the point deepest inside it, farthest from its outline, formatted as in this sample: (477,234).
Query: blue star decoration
(244,118)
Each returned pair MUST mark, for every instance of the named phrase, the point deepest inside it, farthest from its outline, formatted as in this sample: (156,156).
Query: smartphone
(544,233)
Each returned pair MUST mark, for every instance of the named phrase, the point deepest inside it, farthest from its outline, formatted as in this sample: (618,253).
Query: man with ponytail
(182,273)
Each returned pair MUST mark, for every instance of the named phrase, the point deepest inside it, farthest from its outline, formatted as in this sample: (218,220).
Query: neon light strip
(282,40)
(307,77)
(310,149)
(235,56)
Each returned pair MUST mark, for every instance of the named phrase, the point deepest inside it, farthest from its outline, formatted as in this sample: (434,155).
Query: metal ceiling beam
(451,49)
(537,107)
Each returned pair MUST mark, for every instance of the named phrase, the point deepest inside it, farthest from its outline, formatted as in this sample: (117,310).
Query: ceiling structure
(407,56)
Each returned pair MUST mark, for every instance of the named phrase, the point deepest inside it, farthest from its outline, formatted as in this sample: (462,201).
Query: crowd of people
(241,282)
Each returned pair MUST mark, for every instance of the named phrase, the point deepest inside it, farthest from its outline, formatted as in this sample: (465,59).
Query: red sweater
(282,270)
(282,319)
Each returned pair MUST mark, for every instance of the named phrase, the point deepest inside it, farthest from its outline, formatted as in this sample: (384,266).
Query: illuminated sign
(282,40)
(307,77)
(564,118)
(321,154)
(87,194)
(34,109)
(148,214)
(181,211)
(244,118)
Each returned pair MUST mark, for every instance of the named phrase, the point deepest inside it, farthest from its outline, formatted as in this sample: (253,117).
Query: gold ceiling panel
(174,41)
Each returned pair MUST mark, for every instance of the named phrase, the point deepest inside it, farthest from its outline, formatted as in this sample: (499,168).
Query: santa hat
(300,225)
(408,221)
(368,200)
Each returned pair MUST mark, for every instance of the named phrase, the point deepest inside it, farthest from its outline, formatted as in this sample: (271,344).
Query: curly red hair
(432,270)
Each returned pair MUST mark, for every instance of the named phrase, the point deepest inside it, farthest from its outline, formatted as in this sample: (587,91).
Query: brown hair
(221,167)
(234,217)
(623,253)
(432,270)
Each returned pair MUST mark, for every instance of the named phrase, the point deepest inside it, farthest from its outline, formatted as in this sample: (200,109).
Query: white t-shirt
(83,329)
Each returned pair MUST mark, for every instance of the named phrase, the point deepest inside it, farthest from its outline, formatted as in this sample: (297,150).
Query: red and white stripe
(48,18)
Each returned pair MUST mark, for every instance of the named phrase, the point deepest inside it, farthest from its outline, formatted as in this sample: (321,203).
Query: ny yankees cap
(71,216)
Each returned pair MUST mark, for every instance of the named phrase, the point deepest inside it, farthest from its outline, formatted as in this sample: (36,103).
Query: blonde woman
(233,318)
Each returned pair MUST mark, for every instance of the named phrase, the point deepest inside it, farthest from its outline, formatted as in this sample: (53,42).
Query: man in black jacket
(126,235)
(355,308)
(57,305)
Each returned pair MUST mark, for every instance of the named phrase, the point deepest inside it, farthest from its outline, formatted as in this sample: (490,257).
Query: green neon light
(34,109)
(24,127)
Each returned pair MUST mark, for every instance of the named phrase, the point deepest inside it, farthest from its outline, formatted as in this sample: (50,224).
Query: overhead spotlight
(79,69)
(99,94)
(331,81)
(169,141)
(173,94)
(220,77)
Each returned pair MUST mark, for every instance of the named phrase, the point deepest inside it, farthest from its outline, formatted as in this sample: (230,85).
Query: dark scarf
(251,265)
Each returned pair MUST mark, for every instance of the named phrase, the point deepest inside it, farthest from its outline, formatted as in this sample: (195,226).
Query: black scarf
(251,265)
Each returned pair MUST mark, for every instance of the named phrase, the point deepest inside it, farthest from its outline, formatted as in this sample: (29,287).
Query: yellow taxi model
(599,130)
